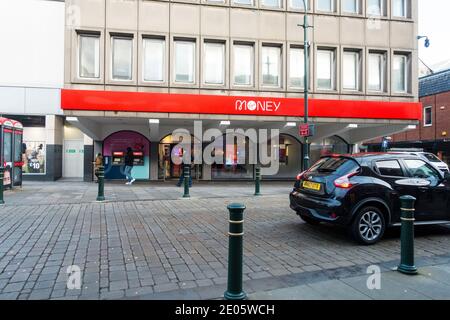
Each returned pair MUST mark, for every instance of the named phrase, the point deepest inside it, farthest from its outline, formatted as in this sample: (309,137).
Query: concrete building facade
(135,70)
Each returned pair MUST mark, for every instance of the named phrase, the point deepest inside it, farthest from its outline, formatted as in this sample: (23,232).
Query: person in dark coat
(129,162)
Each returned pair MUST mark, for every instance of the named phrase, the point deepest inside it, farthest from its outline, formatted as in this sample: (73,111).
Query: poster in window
(34,157)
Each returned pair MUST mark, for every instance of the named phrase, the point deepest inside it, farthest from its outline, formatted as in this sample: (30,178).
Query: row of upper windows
(399,8)
(213,65)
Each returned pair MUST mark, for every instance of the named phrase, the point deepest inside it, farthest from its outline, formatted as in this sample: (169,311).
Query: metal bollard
(235,252)
(407,236)
(101,183)
(2,172)
(186,173)
(258,181)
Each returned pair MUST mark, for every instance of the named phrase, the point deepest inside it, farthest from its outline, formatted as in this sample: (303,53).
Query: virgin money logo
(257,106)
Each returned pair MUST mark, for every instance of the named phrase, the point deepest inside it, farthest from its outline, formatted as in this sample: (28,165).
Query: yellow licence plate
(311,185)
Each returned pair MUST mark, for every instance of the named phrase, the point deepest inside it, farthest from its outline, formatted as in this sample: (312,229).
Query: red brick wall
(442,115)
(441,121)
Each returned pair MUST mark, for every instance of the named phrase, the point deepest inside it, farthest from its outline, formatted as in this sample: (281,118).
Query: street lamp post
(305,149)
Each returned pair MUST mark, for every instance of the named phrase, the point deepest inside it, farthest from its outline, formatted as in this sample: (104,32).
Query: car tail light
(300,175)
(344,182)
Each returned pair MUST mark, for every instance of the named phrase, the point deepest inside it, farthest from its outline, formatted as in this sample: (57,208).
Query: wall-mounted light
(153,121)
(412,127)
(225,123)
(352,126)
(72,119)
(291,124)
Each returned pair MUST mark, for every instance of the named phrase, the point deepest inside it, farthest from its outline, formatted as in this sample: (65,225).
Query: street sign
(306,130)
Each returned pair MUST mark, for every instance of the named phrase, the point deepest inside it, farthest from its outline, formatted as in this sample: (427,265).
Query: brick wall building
(433,132)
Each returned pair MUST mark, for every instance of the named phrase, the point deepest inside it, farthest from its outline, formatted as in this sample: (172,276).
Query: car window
(334,165)
(390,168)
(431,157)
(422,170)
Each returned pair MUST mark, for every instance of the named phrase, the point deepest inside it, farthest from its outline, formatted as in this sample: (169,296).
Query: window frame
(255,59)
(359,70)
(384,71)
(281,71)
(407,72)
(359,9)
(406,8)
(196,59)
(225,43)
(383,11)
(429,166)
(333,7)
(334,69)
(377,170)
(290,46)
(142,80)
(234,3)
(292,8)
(425,124)
(79,47)
(75,51)
(281,5)
(124,36)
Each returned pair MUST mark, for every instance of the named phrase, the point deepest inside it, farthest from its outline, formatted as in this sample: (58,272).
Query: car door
(432,200)
(390,171)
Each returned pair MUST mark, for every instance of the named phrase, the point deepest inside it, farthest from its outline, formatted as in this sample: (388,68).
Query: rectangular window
(271,66)
(122,58)
(400,73)
(298,4)
(89,56)
(389,168)
(325,5)
(350,6)
(243,64)
(399,8)
(271,3)
(244,2)
(325,69)
(214,63)
(351,70)
(184,61)
(427,116)
(377,66)
(154,59)
(296,67)
(375,7)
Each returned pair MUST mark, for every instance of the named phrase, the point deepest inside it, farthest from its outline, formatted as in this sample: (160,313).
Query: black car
(362,192)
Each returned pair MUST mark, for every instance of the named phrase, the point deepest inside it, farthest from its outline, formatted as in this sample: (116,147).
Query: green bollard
(235,252)
(186,173)
(2,172)
(407,236)
(258,181)
(101,183)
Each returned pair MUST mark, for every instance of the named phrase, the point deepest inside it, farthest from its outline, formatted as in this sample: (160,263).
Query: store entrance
(170,156)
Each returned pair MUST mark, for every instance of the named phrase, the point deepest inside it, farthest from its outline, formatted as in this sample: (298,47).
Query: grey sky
(434,22)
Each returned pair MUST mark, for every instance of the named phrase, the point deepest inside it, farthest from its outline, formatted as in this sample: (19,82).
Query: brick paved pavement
(170,248)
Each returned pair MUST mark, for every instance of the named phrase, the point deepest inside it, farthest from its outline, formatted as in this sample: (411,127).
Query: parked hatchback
(362,192)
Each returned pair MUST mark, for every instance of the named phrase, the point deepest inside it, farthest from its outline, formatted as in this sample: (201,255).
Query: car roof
(370,156)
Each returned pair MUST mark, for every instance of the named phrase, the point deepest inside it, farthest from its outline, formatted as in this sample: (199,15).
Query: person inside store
(129,162)
(181,180)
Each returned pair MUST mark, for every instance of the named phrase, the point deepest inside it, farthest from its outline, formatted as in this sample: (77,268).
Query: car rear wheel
(310,221)
(368,226)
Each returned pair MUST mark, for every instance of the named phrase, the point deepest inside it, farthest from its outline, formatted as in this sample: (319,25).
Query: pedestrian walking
(129,162)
